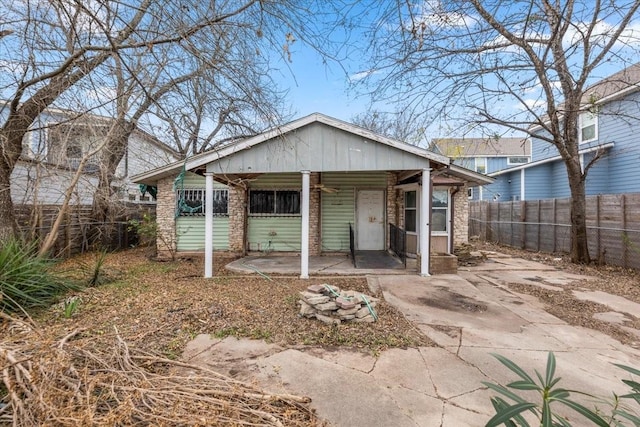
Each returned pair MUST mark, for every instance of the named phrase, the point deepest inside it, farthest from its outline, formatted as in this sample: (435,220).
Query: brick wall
(461,216)
(165,218)
(314,214)
(237,218)
(392,208)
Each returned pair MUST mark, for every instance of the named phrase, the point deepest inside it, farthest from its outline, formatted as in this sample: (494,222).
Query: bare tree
(403,125)
(68,48)
(523,65)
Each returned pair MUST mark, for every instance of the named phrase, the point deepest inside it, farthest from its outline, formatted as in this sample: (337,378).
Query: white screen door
(370,220)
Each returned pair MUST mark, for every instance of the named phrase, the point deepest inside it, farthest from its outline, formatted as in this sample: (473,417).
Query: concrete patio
(469,315)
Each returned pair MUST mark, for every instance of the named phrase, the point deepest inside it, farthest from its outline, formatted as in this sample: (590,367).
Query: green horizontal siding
(193,180)
(338,209)
(190,233)
(277,180)
(355,179)
(279,234)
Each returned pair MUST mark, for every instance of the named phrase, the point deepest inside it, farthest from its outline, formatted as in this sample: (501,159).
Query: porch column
(425,222)
(208,225)
(304,241)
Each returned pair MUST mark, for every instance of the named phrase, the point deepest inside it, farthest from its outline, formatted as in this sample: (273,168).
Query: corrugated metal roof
(246,144)
(482,147)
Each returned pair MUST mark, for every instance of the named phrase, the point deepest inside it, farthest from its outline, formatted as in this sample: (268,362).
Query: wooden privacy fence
(74,234)
(613,226)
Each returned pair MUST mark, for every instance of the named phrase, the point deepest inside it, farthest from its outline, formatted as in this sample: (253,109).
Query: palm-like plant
(26,278)
(511,413)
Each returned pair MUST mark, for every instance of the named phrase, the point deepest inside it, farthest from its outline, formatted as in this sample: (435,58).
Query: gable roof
(482,147)
(215,155)
(618,84)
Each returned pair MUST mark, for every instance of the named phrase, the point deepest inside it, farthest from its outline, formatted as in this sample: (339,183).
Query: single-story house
(314,186)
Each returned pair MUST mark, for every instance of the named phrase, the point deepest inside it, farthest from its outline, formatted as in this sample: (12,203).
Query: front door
(370,220)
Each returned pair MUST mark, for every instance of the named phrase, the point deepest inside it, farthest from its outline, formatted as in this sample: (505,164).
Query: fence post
(625,241)
(498,224)
(523,221)
(511,223)
(539,226)
(488,222)
(555,221)
(598,227)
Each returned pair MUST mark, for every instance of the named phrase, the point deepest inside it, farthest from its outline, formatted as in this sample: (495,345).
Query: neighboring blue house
(486,156)
(611,128)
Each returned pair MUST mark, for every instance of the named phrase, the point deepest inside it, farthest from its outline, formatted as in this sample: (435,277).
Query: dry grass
(115,360)
(69,382)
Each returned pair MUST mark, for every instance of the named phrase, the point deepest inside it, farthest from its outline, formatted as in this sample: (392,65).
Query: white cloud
(361,75)
(531,104)
(432,15)
(601,33)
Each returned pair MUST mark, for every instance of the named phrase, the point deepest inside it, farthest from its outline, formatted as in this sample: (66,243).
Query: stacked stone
(331,305)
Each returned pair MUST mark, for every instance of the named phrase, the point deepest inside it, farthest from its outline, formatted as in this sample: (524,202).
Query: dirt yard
(160,306)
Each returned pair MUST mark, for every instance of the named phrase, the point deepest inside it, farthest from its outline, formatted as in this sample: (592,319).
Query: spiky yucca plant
(27,279)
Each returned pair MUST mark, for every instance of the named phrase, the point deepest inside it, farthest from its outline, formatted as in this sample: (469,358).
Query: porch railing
(352,246)
(398,242)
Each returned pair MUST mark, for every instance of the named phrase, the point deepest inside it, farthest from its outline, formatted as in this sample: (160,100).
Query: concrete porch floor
(341,265)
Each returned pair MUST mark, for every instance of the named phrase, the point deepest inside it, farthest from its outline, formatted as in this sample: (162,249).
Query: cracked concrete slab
(614,302)
(470,316)
(412,376)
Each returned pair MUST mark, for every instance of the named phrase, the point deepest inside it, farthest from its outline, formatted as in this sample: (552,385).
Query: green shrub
(27,279)
(550,395)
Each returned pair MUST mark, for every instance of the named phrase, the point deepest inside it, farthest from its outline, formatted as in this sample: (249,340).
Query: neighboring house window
(517,160)
(439,210)
(588,125)
(410,211)
(190,202)
(481,165)
(274,202)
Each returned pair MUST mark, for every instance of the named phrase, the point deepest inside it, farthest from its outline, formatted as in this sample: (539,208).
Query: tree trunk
(8,224)
(579,243)
(103,212)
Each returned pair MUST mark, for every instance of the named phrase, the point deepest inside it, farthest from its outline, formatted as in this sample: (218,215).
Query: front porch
(319,265)
(340,265)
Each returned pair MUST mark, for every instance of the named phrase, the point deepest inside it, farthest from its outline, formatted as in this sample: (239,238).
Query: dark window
(274,202)
(410,211)
(190,202)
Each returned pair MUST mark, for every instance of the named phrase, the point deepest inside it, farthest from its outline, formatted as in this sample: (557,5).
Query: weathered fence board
(35,223)
(613,226)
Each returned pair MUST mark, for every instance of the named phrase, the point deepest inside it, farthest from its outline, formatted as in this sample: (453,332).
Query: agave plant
(26,278)
(511,413)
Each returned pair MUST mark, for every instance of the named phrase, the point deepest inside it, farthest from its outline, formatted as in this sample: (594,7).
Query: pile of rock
(331,305)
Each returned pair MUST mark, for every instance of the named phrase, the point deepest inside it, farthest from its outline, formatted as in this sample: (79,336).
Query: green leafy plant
(27,279)
(511,413)
(70,306)
(147,230)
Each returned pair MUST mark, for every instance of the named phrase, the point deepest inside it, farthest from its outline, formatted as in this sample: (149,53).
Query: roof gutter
(551,159)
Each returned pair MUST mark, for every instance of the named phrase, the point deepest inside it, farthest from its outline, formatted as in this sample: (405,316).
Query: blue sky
(317,87)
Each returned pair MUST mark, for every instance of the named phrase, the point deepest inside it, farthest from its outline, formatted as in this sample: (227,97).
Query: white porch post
(425,222)
(208,225)
(304,241)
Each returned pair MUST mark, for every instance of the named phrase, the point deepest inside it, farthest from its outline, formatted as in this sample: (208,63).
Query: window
(410,211)
(190,202)
(481,165)
(588,127)
(274,202)
(517,160)
(439,210)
